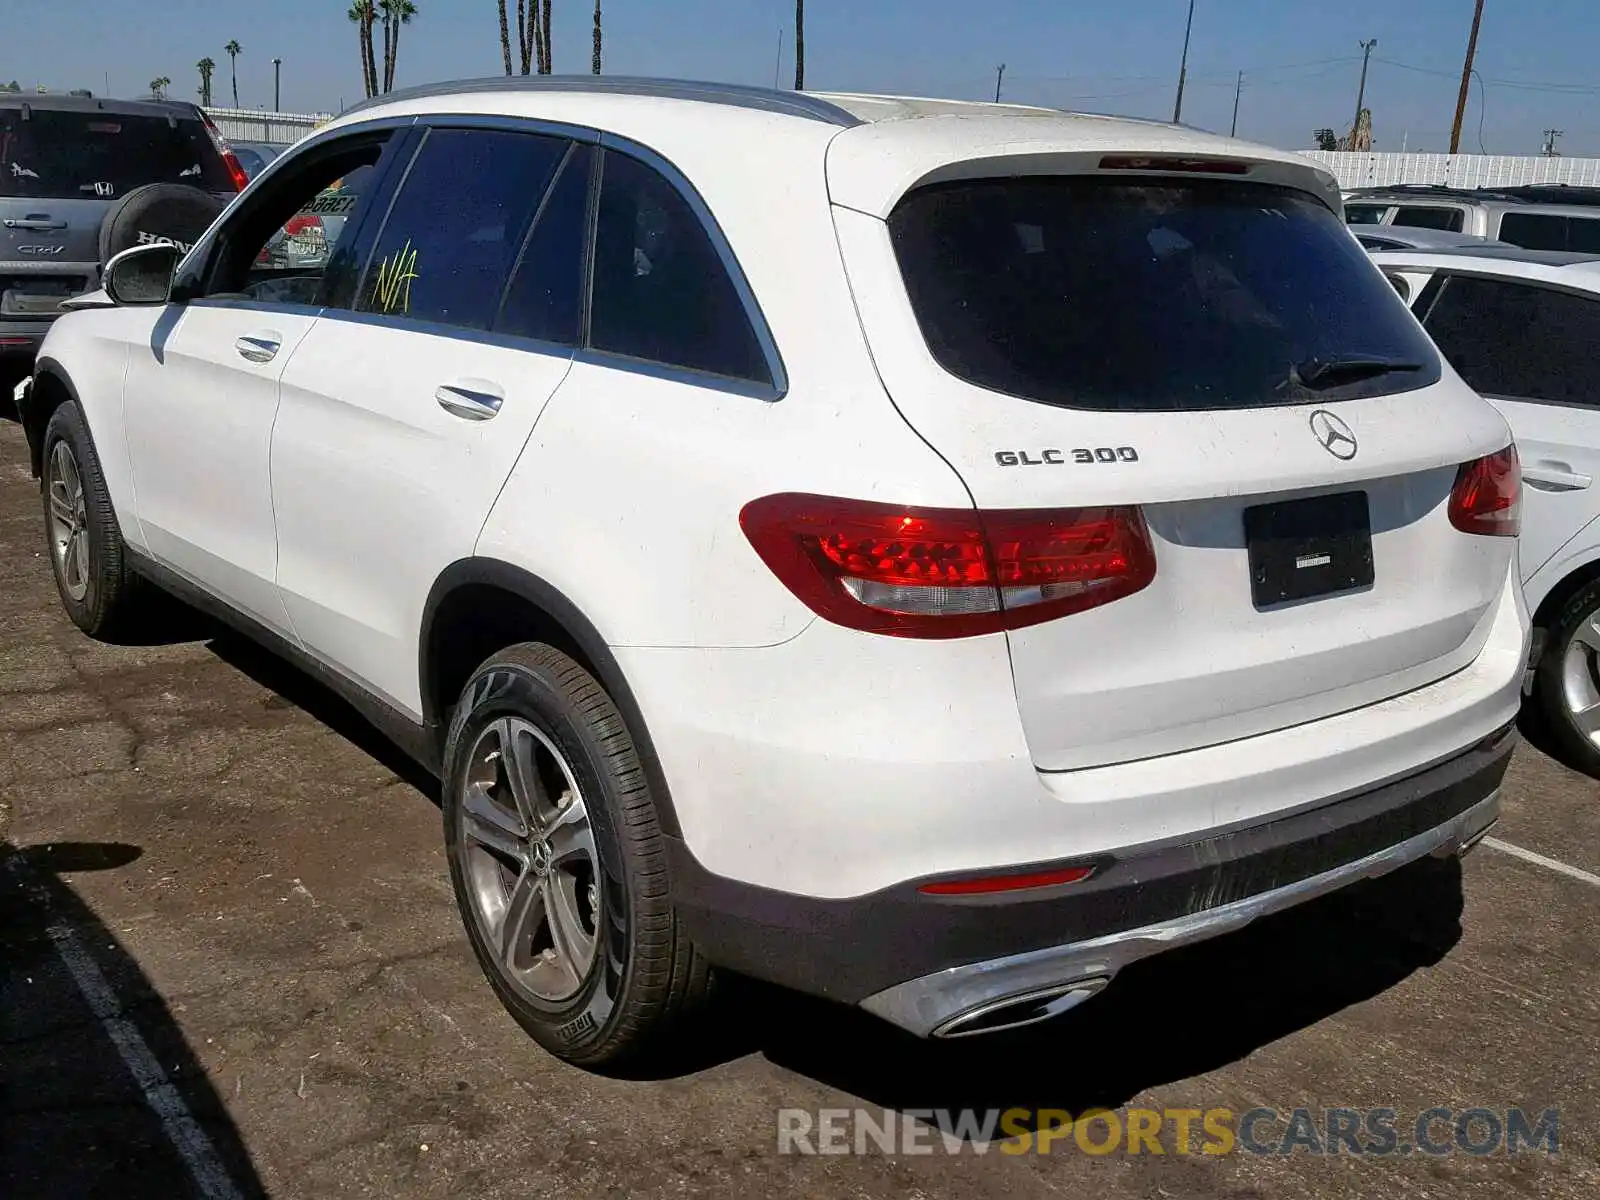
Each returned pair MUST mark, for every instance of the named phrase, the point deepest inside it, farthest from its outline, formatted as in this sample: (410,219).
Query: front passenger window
(287,246)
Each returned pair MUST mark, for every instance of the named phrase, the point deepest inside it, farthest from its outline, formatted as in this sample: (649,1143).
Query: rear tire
(1567,681)
(558,862)
(96,585)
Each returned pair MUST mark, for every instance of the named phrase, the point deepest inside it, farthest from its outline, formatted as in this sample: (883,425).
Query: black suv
(65,162)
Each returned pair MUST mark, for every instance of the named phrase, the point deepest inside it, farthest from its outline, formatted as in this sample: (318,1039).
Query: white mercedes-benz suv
(926,554)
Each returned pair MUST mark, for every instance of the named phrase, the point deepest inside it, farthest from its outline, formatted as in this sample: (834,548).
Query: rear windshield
(68,155)
(1153,296)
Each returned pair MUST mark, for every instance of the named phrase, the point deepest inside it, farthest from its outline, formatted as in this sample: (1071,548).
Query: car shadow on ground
(1170,1018)
(100,1095)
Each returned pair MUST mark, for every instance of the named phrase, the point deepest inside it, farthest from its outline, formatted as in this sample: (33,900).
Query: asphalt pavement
(230,965)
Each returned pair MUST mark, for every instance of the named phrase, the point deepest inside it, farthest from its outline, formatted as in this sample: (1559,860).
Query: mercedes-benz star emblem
(1336,437)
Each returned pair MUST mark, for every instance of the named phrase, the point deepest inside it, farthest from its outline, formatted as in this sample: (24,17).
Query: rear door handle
(1555,477)
(36,222)
(470,399)
(259,347)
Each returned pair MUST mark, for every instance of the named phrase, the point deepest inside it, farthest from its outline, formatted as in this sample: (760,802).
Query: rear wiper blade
(1327,372)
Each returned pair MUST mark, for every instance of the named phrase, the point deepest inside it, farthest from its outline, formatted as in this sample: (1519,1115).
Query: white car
(1521,327)
(931,555)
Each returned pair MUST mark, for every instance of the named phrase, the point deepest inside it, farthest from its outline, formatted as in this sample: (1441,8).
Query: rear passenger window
(545,299)
(1518,341)
(660,291)
(1534,231)
(1428,218)
(454,231)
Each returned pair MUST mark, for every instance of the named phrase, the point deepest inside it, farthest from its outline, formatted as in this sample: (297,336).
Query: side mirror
(142,274)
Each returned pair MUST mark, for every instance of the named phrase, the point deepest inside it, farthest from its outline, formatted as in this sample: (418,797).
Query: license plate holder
(1308,549)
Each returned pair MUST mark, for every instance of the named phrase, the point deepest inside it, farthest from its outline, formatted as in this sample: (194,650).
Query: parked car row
(931,555)
(1542,217)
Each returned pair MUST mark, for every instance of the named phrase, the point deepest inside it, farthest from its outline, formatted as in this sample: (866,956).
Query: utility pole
(777,67)
(1233,130)
(1361,92)
(1550,136)
(999,76)
(1183,66)
(277,63)
(1466,78)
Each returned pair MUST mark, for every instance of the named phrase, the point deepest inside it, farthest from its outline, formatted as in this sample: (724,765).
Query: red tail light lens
(1487,497)
(942,573)
(229,159)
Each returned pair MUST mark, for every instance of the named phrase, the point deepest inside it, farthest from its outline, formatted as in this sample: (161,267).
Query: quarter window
(1517,340)
(454,231)
(1419,217)
(660,291)
(1534,231)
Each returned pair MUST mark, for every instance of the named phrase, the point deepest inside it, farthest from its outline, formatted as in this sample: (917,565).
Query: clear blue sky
(1300,57)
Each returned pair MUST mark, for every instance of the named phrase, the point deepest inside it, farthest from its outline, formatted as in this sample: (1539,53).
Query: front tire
(85,543)
(558,864)
(1568,680)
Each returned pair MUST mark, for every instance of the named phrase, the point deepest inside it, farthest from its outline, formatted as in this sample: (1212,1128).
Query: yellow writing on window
(393,289)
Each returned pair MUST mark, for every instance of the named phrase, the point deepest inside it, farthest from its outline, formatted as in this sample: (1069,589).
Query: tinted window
(453,233)
(1583,234)
(1513,339)
(545,299)
(1365,214)
(1535,231)
(1108,294)
(660,290)
(1428,218)
(103,154)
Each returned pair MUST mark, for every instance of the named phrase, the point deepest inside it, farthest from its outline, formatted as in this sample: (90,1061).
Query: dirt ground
(230,965)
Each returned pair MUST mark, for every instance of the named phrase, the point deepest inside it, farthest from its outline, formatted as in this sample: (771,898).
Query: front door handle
(1551,476)
(35,222)
(259,347)
(471,399)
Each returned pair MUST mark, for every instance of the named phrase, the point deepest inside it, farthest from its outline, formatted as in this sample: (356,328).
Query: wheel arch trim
(569,618)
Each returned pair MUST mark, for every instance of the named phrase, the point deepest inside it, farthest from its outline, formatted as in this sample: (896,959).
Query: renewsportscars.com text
(1376,1132)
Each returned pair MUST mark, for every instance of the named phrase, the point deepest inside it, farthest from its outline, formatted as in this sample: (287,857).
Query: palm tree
(528,35)
(395,14)
(799,44)
(361,15)
(505,35)
(595,64)
(207,66)
(158,87)
(546,67)
(234,50)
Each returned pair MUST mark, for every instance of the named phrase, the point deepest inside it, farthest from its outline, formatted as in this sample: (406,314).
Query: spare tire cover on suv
(158,212)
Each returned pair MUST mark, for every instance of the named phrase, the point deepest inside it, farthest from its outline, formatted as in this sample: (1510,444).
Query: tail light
(229,159)
(1487,496)
(941,572)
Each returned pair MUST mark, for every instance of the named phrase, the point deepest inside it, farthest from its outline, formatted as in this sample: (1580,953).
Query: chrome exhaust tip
(1027,1008)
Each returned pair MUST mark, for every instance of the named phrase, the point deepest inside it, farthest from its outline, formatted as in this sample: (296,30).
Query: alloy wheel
(69,521)
(1580,677)
(528,856)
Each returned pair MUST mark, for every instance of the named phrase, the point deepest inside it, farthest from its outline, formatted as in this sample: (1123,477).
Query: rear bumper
(23,337)
(941,965)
